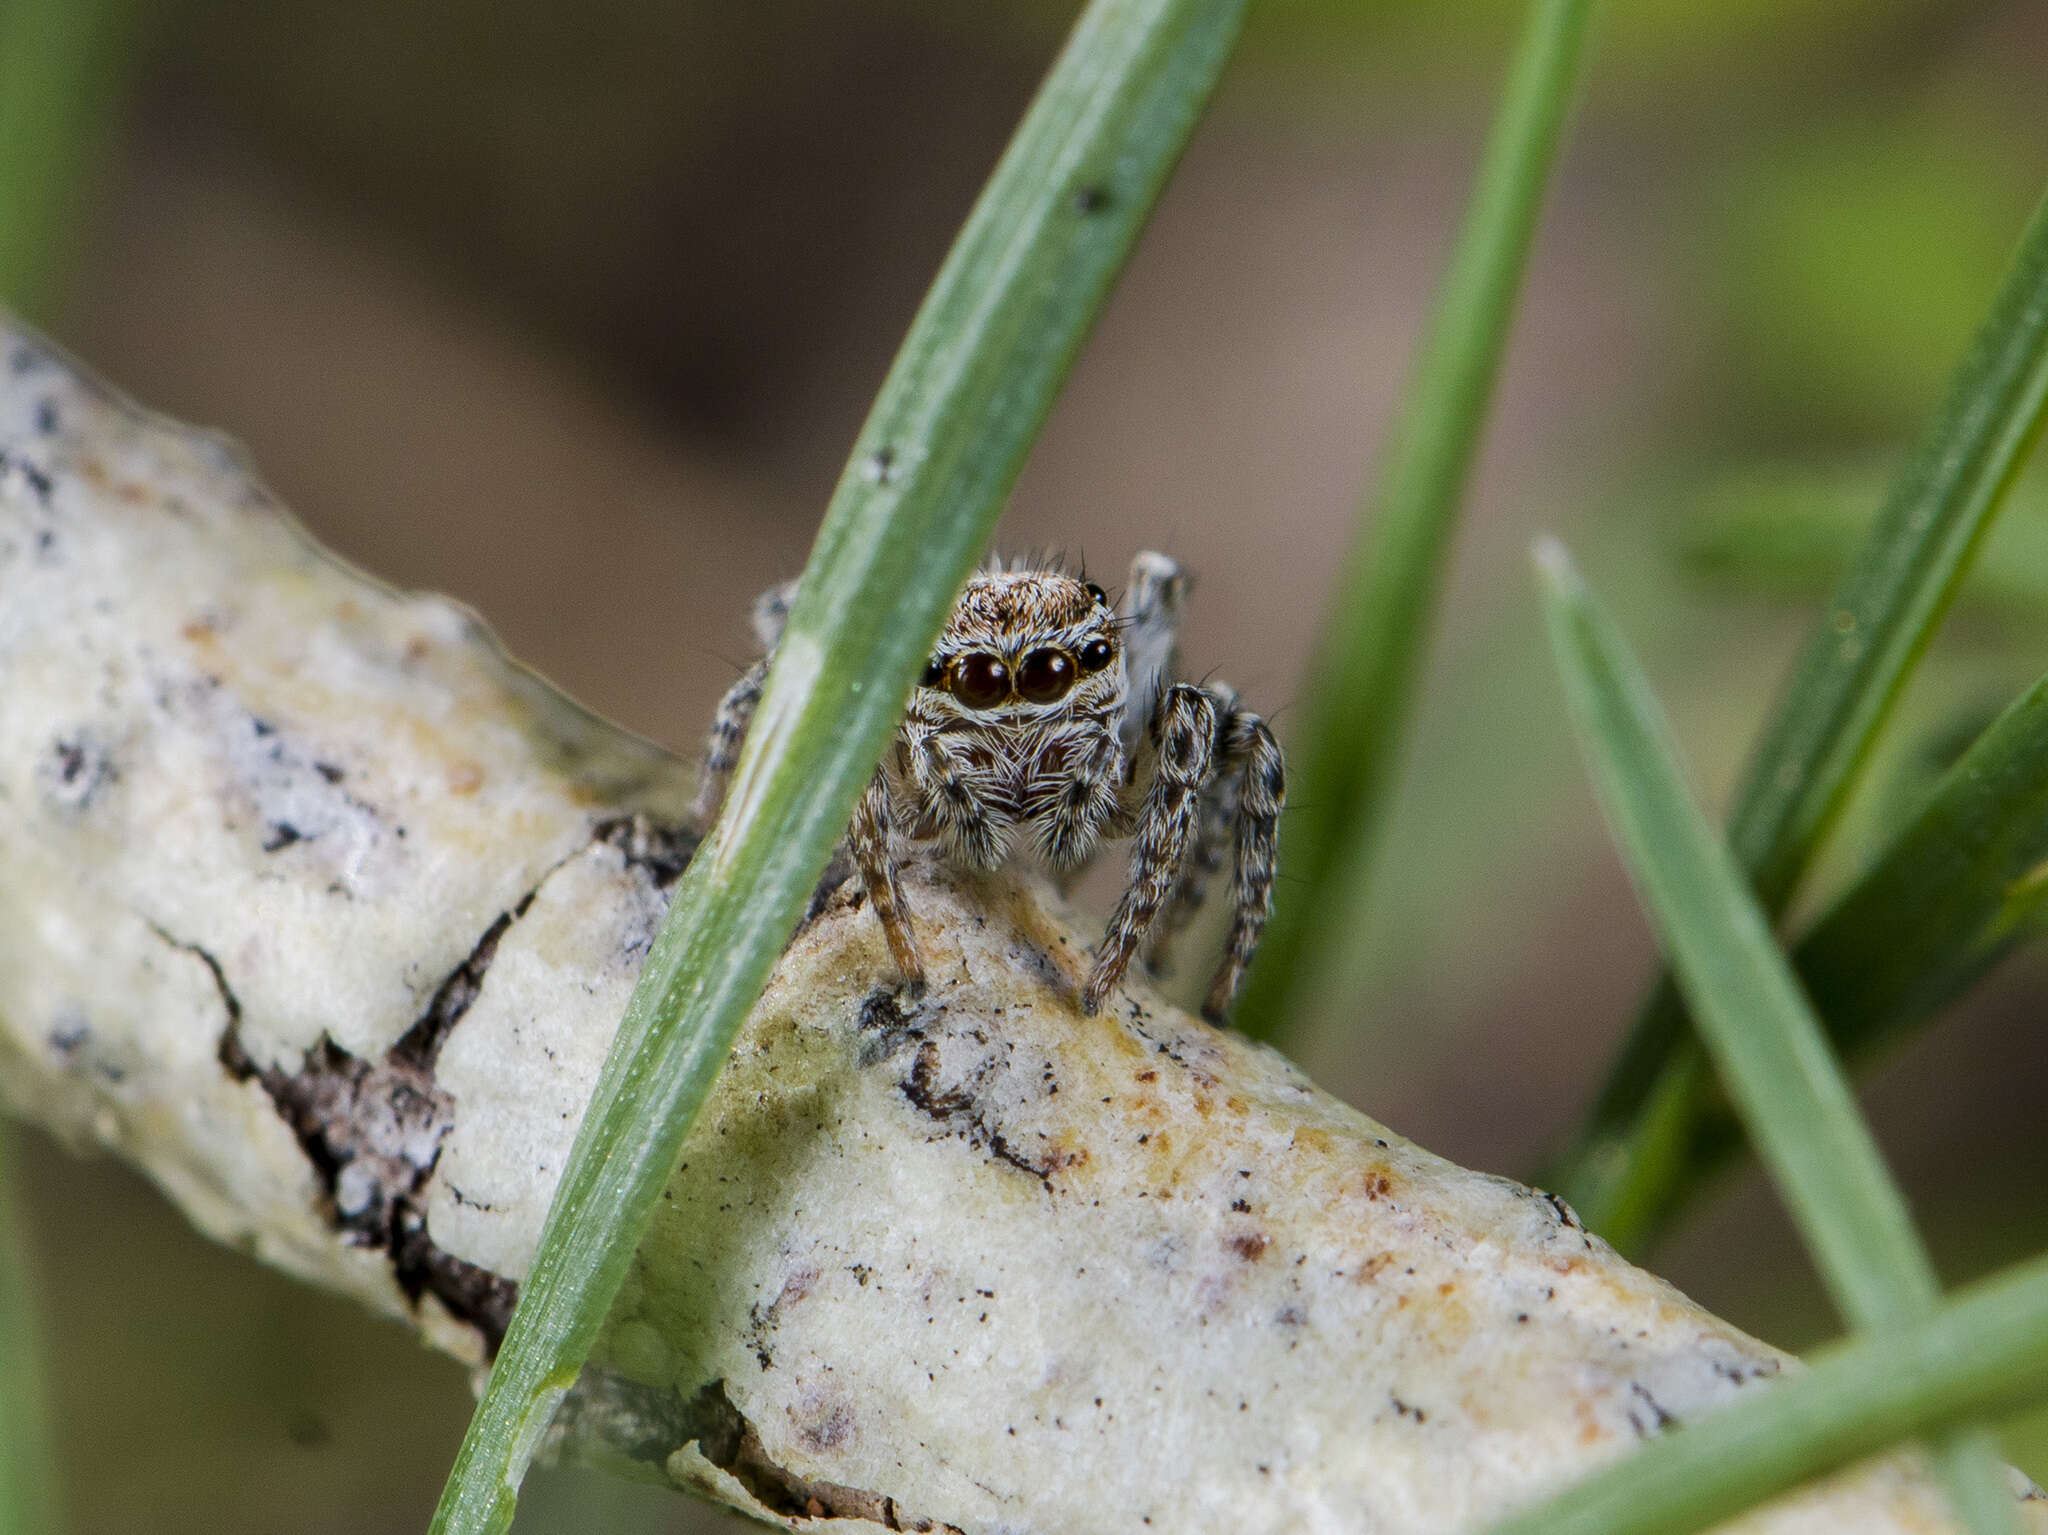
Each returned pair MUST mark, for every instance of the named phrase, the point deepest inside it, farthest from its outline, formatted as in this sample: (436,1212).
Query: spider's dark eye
(980,680)
(1098,594)
(1045,676)
(934,673)
(1097,654)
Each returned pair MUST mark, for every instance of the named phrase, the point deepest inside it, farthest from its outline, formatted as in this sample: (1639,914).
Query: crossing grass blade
(63,68)
(1875,627)
(946,438)
(1982,1355)
(1364,677)
(27,1474)
(1963,883)
(1766,1044)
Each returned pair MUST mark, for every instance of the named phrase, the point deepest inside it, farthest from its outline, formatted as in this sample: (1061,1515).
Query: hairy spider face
(1023,647)
(1049,718)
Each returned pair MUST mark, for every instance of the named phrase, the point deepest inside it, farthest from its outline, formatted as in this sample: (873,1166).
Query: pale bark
(321,911)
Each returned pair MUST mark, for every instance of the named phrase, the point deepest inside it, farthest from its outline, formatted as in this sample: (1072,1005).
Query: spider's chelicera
(1049,718)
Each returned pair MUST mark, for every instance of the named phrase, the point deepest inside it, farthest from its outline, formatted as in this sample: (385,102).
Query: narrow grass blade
(1877,624)
(1765,1042)
(1961,884)
(940,450)
(1361,684)
(27,1468)
(63,66)
(1983,1355)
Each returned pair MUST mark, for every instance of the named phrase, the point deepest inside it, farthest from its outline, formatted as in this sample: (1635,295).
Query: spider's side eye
(1098,593)
(934,674)
(1045,676)
(1097,654)
(980,680)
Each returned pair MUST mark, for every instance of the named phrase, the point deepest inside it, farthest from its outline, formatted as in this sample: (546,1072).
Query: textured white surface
(979,1261)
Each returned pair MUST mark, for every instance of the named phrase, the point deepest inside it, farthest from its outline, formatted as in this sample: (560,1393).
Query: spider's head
(1028,643)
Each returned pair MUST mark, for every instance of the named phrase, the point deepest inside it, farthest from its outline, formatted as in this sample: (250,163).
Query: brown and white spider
(1046,714)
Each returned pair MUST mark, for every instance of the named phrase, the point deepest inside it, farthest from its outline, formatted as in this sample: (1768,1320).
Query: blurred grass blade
(1984,1354)
(1371,652)
(1965,881)
(63,68)
(27,1468)
(1756,1025)
(1789,530)
(939,452)
(1878,622)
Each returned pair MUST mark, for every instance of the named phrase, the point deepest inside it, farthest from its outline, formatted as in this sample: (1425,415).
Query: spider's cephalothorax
(1045,721)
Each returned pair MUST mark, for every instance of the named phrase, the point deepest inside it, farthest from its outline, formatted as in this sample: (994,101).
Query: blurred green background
(573,310)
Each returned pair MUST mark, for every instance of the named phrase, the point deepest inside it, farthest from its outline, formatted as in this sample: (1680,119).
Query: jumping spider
(1046,711)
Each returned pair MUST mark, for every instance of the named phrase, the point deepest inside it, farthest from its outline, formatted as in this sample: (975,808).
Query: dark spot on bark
(1241,1206)
(1567,1217)
(1650,1419)
(1405,1410)
(659,849)
(1250,1247)
(46,417)
(38,482)
(281,835)
(75,769)
(333,774)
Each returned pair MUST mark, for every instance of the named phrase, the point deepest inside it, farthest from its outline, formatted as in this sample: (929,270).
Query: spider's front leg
(728,734)
(872,841)
(1185,732)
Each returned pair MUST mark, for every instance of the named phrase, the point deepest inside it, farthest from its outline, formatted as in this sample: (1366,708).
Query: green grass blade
(27,1468)
(1765,1042)
(1370,655)
(1962,883)
(1982,1355)
(63,66)
(946,438)
(1878,622)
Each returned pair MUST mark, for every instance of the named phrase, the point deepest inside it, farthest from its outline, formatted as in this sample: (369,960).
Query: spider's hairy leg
(871,838)
(722,751)
(1212,835)
(955,802)
(1252,757)
(1151,632)
(1186,729)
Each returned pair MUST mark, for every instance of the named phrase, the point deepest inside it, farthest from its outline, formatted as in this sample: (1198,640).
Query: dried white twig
(321,911)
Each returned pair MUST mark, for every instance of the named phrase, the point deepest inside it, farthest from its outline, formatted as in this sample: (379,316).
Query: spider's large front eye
(1045,676)
(1097,654)
(980,680)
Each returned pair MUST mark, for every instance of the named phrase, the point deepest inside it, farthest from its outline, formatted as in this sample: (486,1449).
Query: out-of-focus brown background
(572,311)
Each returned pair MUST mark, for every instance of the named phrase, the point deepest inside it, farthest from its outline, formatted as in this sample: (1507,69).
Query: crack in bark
(373,1129)
(726,1439)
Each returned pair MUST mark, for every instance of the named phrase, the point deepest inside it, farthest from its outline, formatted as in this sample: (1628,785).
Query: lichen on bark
(321,911)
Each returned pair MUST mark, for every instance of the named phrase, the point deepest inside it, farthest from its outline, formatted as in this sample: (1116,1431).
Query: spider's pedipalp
(1185,731)
(955,801)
